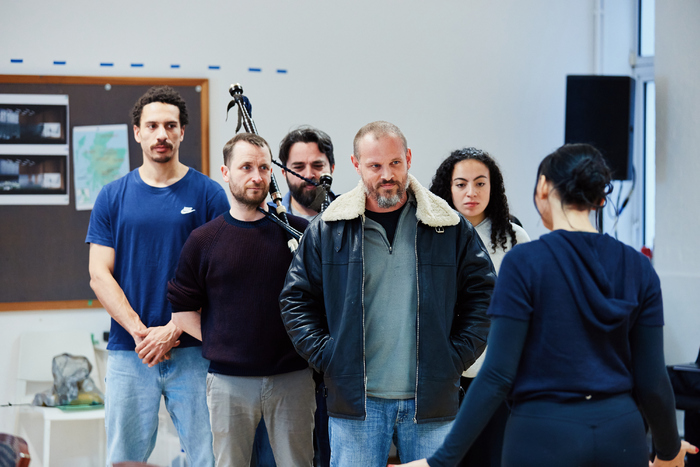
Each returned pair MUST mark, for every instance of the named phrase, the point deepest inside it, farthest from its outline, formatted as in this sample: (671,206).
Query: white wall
(449,73)
(677,256)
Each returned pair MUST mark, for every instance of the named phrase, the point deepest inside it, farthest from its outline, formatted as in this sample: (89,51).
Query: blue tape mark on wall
(141,65)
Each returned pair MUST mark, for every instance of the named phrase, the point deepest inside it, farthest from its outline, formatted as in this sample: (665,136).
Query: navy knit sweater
(234,271)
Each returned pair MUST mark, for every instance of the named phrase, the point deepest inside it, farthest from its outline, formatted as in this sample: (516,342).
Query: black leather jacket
(323,310)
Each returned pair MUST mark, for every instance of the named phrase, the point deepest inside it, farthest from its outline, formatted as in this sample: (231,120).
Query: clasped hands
(153,344)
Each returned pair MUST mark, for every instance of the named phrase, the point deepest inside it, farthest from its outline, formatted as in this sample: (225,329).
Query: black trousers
(587,433)
(486,449)
(691,424)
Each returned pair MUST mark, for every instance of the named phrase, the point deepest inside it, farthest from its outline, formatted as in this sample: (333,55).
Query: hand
(420,463)
(154,344)
(679,461)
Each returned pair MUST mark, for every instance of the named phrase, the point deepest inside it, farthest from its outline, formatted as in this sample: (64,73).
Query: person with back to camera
(576,340)
(472,183)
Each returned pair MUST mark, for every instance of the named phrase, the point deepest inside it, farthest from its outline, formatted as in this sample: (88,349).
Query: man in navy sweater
(225,291)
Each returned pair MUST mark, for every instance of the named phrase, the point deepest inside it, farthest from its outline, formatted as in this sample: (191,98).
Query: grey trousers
(286,401)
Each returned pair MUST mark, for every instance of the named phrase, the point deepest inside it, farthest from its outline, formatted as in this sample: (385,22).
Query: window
(630,213)
(646,115)
(649,162)
(645,21)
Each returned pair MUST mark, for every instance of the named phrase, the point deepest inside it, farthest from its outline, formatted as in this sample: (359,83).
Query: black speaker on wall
(600,112)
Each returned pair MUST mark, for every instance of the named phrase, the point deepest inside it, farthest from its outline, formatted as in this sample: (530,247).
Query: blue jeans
(132,401)
(366,443)
(262,451)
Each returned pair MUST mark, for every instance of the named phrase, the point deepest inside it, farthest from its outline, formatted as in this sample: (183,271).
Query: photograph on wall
(22,123)
(34,164)
(100,156)
(32,175)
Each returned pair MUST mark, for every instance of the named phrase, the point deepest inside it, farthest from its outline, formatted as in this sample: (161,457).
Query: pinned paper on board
(34,149)
(100,156)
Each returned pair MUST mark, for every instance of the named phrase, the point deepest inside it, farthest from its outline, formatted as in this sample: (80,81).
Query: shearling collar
(431,210)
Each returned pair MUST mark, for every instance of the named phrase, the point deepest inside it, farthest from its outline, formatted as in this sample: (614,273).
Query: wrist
(175,330)
(136,329)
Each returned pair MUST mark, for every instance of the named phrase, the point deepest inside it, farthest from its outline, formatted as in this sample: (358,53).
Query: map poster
(100,155)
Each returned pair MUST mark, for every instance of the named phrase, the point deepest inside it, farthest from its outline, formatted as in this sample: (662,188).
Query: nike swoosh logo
(186,210)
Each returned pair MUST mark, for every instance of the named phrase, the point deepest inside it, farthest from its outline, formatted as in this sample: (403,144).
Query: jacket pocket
(327,355)
(457,360)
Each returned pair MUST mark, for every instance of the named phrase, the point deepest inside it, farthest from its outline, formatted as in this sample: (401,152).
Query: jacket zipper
(415,246)
(364,359)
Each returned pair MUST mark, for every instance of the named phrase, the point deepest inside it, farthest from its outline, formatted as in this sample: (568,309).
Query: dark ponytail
(579,174)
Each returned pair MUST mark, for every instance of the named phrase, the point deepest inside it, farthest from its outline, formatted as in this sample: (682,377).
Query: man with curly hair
(137,228)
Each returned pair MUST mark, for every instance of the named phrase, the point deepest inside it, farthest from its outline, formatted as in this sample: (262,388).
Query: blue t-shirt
(147,227)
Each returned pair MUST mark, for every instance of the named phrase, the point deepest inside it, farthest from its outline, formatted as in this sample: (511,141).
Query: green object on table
(71,408)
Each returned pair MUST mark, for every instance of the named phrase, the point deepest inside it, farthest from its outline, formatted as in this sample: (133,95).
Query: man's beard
(301,194)
(241,195)
(162,158)
(387,202)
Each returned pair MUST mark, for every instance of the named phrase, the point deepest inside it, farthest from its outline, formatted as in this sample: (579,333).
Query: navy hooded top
(576,316)
(582,293)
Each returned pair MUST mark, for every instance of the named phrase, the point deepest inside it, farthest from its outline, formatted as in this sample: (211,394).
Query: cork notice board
(43,254)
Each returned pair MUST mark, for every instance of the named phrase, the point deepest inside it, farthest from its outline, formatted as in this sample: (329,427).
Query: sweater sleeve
(490,387)
(187,292)
(653,389)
